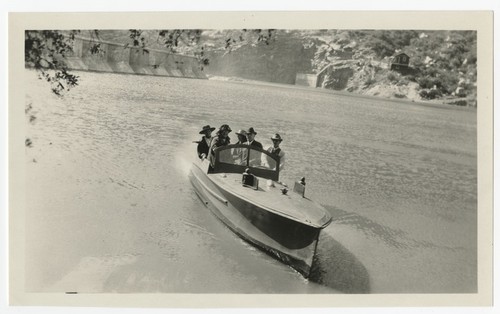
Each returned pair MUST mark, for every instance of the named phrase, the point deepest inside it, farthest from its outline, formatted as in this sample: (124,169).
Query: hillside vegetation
(442,63)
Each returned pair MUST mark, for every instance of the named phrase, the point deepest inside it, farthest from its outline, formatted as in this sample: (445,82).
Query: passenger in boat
(242,136)
(239,154)
(251,138)
(276,149)
(221,138)
(254,160)
(204,143)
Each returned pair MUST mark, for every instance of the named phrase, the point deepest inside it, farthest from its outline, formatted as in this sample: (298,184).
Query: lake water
(110,208)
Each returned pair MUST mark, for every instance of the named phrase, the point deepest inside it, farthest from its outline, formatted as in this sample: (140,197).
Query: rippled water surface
(110,208)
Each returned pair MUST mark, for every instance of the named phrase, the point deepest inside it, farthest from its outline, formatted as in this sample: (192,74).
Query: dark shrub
(430,93)
(460,102)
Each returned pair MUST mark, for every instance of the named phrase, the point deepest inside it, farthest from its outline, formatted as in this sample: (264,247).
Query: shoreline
(435,104)
(237,80)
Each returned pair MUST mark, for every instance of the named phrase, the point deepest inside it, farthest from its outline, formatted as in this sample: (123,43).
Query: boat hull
(290,241)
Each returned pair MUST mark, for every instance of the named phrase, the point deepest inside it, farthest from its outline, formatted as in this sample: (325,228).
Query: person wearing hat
(204,143)
(221,138)
(276,149)
(239,154)
(251,138)
(242,136)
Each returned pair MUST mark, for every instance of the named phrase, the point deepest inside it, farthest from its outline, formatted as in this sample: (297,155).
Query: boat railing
(236,158)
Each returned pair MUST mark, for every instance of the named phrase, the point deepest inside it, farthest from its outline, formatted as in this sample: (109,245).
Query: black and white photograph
(319,159)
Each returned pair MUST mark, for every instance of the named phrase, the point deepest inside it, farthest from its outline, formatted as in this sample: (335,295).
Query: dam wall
(119,58)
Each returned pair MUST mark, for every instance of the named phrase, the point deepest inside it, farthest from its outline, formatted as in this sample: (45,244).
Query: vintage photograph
(250,160)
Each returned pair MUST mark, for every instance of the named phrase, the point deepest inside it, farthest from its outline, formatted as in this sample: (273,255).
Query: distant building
(400,62)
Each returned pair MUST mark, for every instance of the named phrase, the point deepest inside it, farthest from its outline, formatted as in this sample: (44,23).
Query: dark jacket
(219,141)
(203,147)
(255,143)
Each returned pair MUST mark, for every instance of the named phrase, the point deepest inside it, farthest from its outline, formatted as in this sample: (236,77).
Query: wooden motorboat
(240,184)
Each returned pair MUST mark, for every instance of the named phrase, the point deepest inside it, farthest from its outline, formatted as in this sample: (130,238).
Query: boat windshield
(236,158)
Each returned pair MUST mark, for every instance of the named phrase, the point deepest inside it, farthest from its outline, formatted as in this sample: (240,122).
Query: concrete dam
(120,58)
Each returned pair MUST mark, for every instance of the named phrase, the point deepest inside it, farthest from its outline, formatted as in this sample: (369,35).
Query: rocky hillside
(442,63)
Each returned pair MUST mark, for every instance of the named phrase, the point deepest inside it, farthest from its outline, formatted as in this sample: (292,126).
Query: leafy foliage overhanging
(46,50)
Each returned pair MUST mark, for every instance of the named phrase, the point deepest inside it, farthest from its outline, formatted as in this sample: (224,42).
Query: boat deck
(291,205)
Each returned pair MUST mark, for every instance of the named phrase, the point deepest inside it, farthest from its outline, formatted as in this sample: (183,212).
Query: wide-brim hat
(276,137)
(224,127)
(251,131)
(206,128)
(241,132)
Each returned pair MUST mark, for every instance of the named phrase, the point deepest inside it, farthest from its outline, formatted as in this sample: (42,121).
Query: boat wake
(184,158)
